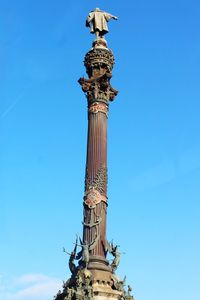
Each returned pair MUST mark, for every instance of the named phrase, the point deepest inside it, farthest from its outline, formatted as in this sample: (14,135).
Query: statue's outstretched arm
(114,17)
(64,250)
(109,17)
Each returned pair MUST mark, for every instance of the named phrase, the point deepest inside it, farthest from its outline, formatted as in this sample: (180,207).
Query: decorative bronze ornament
(93,197)
(99,59)
(98,107)
(98,87)
(99,182)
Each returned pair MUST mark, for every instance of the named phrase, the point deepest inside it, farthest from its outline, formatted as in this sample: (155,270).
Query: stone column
(99,62)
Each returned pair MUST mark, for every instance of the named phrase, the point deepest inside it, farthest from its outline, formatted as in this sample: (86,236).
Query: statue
(116,260)
(88,288)
(128,295)
(118,284)
(116,254)
(99,20)
(72,257)
(84,254)
(129,290)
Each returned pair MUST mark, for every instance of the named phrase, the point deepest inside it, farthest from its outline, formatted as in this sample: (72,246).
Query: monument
(92,276)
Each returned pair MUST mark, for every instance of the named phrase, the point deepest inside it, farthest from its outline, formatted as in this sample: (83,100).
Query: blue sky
(153,146)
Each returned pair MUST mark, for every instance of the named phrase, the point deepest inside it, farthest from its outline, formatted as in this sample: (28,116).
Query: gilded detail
(98,107)
(93,197)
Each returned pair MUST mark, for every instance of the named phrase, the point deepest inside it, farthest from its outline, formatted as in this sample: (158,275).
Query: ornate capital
(99,63)
(98,60)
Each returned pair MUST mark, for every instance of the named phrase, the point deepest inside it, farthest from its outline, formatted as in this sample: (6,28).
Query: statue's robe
(99,21)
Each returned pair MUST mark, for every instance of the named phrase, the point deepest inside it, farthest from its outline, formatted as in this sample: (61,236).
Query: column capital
(99,63)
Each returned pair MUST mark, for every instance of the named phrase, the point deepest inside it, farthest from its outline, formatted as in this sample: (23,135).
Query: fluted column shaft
(99,63)
(95,204)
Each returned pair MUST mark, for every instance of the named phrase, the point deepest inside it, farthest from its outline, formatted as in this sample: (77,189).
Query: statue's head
(97,9)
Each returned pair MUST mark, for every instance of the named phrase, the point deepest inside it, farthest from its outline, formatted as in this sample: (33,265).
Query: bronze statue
(118,284)
(84,254)
(109,247)
(99,20)
(129,290)
(116,260)
(72,257)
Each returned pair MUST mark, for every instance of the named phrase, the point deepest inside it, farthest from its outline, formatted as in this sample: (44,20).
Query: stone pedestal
(104,291)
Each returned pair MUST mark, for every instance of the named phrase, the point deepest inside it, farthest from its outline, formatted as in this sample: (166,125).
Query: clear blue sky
(154,145)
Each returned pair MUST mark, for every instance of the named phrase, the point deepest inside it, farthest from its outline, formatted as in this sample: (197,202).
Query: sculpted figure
(88,288)
(109,247)
(118,284)
(129,290)
(72,257)
(84,254)
(116,260)
(99,20)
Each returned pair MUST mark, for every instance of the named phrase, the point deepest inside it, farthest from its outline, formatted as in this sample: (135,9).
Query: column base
(98,263)
(103,291)
(94,285)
